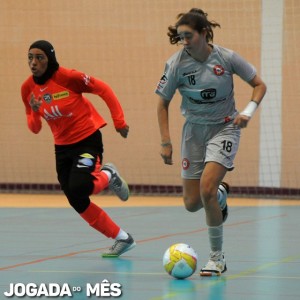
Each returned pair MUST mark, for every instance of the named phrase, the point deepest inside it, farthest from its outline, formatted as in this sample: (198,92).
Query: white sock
(108,174)
(122,235)
(215,234)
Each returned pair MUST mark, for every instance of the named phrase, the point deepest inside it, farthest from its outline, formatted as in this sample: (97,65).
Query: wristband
(250,109)
(166,144)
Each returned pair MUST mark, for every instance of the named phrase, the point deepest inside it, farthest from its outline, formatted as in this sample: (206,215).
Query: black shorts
(75,163)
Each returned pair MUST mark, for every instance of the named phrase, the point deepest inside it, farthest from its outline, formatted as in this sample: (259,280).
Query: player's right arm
(32,105)
(163,122)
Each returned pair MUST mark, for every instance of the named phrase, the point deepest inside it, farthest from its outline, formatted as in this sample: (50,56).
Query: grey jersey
(206,88)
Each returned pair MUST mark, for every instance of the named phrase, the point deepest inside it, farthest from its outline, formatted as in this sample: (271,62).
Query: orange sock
(100,220)
(101,179)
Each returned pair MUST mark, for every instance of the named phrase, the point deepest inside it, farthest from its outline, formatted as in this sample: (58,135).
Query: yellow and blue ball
(180,261)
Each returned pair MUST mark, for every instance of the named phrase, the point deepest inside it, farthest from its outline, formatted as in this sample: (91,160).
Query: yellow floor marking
(208,282)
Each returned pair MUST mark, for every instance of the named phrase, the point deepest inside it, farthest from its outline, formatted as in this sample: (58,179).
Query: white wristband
(250,109)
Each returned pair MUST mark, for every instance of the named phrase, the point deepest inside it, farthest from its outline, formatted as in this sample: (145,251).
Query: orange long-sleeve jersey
(70,115)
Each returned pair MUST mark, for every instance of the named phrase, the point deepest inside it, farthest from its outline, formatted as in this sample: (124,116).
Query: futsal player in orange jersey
(56,94)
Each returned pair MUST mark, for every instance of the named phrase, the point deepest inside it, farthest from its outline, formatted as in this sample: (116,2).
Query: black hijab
(52,62)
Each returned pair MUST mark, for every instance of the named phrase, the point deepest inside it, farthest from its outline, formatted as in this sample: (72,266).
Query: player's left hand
(241,121)
(123,131)
(166,154)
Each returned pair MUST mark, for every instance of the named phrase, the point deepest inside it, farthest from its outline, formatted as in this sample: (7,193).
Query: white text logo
(55,113)
(103,289)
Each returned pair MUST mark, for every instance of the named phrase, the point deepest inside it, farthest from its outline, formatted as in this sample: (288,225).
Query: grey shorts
(204,143)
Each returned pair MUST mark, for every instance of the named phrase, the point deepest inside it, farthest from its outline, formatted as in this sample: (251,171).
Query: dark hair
(197,19)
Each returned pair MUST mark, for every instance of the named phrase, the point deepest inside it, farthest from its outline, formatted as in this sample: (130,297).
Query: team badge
(227,119)
(47,98)
(185,164)
(219,70)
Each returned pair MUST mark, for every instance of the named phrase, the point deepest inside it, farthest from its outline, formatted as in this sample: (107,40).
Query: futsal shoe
(120,247)
(223,191)
(117,184)
(216,264)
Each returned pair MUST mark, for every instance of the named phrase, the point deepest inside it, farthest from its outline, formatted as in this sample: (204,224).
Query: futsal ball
(180,261)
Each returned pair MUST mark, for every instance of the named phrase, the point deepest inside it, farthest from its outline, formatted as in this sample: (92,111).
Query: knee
(80,204)
(209,197)
(192,204)
(77,198)
(208,193)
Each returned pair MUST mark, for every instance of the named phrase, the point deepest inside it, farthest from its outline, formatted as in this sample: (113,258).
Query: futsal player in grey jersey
(203,74)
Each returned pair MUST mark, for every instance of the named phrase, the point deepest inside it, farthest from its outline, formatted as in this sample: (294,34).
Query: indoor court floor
(44,242)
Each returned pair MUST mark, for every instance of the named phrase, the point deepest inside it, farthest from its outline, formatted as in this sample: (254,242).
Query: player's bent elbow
(35,129)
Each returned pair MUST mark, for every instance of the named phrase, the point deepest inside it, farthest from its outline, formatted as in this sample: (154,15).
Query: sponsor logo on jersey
(43,89)
(189,73)
(54,114)
(162,82)
(61,95)
(208,101)
(208,94)
(47,98)
(86,78)
(219,70)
